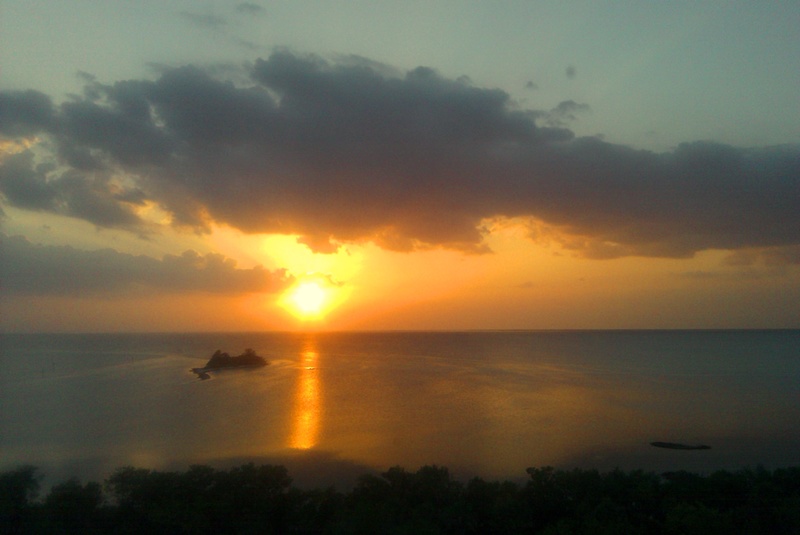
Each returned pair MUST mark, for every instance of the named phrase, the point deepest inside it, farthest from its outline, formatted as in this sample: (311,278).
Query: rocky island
(220,361)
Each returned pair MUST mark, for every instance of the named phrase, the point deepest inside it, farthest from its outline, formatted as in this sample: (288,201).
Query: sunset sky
(229,166)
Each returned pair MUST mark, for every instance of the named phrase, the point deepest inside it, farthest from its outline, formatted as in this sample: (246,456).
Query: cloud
(96,198)
(250,9)
(204,20)
(701,275)
(566,112)
(782,255)
(23,113)
(219,26)
(349,150)
(26,268)
(770,256)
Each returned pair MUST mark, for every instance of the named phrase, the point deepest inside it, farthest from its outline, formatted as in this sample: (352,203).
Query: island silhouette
(221,360)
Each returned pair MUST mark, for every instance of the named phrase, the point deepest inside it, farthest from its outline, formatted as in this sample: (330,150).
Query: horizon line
(417,331)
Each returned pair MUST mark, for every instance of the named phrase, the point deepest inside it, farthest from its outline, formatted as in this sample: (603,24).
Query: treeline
(261,499)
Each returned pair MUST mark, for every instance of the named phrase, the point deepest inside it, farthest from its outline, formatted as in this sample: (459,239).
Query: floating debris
(676,446)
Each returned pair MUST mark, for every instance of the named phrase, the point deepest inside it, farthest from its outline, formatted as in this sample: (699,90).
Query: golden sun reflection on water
(305,422)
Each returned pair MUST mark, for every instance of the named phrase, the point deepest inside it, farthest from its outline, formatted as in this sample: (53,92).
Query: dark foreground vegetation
(260,499)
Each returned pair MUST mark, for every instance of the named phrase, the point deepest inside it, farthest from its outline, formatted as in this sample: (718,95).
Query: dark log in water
(676,446)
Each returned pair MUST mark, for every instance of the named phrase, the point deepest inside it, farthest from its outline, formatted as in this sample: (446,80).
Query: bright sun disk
(308,298)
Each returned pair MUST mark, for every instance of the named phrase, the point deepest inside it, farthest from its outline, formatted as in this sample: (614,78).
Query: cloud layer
(348,151)
(26,268)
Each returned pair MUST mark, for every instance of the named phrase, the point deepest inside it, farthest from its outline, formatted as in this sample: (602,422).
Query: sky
(247,166)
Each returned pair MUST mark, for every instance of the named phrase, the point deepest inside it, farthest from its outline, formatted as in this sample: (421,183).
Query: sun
(309,299)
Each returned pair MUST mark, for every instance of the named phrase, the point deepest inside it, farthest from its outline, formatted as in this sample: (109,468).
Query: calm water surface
(334,405)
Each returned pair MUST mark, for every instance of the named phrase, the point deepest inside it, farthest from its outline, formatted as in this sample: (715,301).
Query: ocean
(332,406)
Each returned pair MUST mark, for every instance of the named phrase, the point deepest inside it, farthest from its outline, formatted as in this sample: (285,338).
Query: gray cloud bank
(26,268)
(339,152)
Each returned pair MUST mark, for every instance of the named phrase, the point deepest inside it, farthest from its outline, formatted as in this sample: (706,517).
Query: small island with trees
(221,361)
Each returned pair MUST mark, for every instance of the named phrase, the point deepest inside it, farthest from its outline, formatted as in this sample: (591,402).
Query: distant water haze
(331,406)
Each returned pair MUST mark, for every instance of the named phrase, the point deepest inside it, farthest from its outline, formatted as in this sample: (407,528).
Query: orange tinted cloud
(26,268)
(345,152)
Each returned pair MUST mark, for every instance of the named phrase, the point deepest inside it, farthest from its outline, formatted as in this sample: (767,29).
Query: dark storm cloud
(24,113)
(72,193)
(347,151)
(26,268)
(125,132)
